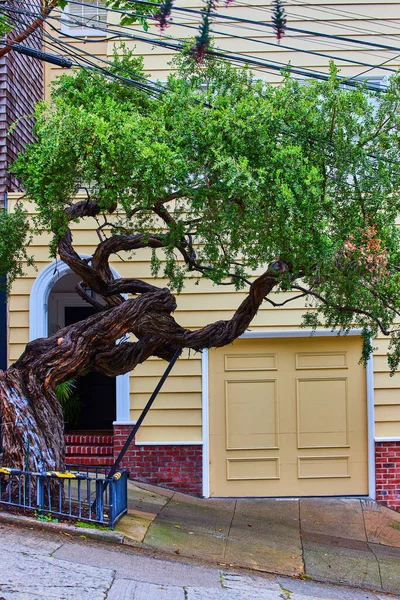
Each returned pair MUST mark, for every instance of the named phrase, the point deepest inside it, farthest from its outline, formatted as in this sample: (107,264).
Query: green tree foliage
(246,173)
(14,238)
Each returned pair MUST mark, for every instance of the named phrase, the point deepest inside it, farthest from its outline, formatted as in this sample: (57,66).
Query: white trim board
(291,333)
(196,443)
(205,423)
(388,439)
(371,428)
(38,323)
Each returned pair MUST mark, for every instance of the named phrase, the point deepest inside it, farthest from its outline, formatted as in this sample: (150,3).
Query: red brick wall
(387,459)
(175,467)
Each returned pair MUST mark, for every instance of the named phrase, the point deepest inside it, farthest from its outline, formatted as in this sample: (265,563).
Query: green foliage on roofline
(251,172)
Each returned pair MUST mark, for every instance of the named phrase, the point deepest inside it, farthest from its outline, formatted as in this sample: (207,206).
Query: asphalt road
(43,566)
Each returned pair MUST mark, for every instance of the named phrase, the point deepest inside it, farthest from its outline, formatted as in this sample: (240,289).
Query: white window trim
(71,29)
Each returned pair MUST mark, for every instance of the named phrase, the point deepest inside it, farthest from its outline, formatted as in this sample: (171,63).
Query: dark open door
(97,391)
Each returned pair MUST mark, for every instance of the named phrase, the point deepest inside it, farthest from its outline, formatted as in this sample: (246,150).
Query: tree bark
(32,424)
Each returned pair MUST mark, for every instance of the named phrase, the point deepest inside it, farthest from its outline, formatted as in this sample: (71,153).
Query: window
(83,18)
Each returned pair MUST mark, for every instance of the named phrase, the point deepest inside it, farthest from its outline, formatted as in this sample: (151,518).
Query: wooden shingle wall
(21,86)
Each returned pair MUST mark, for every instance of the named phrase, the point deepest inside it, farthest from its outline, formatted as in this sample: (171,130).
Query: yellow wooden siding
(176,415)
(386,393)
(199,304)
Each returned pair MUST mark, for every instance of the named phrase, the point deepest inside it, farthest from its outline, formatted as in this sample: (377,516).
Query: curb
(93,534)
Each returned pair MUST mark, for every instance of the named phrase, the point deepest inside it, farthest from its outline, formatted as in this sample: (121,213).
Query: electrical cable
(177,45)
(148,87)
(232,18)
(333,24)
(130,82)
(223,54)
(358,63)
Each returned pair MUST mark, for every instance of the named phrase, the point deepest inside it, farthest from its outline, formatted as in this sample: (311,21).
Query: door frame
(290,333)
(38,326)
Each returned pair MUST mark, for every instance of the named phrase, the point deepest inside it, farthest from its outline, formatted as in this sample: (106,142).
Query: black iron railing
(85,494)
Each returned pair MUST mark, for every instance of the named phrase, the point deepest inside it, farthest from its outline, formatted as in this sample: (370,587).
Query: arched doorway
(92,404)
(57,278)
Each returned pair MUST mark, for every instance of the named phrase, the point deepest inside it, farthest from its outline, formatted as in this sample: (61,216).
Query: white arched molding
(38,326)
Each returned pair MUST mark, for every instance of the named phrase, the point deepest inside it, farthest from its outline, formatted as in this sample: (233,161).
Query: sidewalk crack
(303,560)
(370,546)
(110,586)
(229,530)
(51,555)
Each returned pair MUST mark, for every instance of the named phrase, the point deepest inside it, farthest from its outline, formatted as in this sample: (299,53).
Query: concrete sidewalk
(344,541)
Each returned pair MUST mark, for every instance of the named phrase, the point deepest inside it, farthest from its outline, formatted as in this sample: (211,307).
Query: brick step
(91,461)
(92,450)
(88,439)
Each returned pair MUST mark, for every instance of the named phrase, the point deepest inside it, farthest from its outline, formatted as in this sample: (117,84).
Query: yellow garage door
(288,417)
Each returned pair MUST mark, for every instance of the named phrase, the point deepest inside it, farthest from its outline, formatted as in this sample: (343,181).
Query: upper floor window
(83,18)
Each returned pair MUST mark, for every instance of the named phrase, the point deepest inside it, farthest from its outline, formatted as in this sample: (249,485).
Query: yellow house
(277,413)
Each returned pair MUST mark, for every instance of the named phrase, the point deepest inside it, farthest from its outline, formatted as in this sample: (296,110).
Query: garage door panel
(251,414)
(322,412)
(251,362)
(321,360)
(252,468)
(323,467)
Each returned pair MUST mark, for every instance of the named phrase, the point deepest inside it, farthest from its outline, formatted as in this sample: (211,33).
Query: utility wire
(94,67)
(264,42)
(180,24)
(232,18)
(319,8)
(339,24)
(177,45)
(222,54)
(149,86)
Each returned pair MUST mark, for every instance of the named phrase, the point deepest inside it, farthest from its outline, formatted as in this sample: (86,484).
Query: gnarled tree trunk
(28,404)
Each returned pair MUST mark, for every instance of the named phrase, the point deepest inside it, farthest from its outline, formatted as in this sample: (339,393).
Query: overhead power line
(232,18)
(176,45)
(45,56)
(91,68)
(316,8)
(258,63)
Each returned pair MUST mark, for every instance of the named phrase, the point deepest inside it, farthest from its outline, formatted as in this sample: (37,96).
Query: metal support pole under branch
(146,409)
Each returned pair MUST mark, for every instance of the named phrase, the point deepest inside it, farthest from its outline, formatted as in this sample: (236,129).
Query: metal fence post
(41,491)
(113,502)
(99,500)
